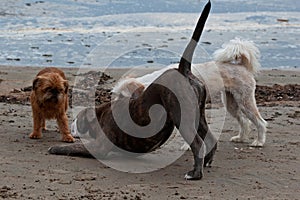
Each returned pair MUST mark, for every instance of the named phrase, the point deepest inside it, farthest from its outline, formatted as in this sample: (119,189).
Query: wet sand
(238,171)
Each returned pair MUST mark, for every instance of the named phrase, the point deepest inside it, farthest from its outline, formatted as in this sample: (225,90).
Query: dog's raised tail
(240,52)
(186,59)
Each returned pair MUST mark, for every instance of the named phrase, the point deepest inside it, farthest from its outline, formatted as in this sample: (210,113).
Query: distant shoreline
(68,42)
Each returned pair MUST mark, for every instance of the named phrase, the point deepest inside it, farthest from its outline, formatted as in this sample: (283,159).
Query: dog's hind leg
(235,111)
(209,139)
(198,148)
(250,109)
(186,121)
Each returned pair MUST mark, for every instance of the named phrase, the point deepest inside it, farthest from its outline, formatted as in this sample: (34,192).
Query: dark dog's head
(86,125)
(85,122)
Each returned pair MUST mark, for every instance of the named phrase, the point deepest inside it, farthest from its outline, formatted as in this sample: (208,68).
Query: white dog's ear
(90,114)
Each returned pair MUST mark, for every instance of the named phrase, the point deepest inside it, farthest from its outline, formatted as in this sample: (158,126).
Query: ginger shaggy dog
(49,100)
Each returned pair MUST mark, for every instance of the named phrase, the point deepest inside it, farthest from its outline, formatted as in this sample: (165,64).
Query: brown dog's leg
(37,127)
(44,124)
(64,129)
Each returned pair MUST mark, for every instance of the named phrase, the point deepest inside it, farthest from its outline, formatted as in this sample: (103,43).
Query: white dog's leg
(233,108)
(261,127)
(251,111)
(244,129)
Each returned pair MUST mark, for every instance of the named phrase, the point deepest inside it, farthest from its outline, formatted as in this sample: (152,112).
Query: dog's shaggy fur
(236,63)
(49,100)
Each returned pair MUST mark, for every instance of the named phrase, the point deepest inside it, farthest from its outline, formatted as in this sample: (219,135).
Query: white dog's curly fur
(236,63)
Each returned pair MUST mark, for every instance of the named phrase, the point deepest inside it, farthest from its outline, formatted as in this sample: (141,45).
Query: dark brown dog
(183,98)
(49,100)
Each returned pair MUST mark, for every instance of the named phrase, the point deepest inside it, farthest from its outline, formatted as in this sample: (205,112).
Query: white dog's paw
(257,143)
(237,138)
(185,147)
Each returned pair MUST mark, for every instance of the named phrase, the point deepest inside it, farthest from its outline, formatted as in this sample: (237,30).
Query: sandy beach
(124,34)
(238,171)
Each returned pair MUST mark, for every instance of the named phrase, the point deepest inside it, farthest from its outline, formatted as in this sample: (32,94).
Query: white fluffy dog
(236,64)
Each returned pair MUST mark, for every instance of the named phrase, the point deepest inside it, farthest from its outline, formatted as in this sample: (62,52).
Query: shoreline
(23,75)
(273,87)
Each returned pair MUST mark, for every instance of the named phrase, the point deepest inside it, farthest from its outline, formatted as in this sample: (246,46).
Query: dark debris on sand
(265,95)
(80,92)
(277,93)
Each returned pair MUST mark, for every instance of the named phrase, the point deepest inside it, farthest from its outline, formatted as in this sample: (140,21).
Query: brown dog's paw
(68,138)
(35,135)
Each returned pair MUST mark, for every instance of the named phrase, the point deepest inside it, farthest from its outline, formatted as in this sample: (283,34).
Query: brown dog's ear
(66,84)
(36,82)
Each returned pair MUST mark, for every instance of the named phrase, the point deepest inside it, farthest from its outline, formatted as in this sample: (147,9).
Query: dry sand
(238,172)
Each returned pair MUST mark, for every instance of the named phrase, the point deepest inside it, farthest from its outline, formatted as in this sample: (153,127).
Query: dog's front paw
(257,143)
(55,150)
(194,175)
(68,138)
(237,139)
(61,150)
(35,135)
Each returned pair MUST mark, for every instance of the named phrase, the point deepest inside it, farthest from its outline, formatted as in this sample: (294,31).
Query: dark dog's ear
(92,121)
(90,114)
(82,122)
(86,122)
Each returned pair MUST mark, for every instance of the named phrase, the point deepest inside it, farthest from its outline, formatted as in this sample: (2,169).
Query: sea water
(126,33)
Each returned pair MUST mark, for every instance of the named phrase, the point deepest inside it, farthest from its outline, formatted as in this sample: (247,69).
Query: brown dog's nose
(54,91)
